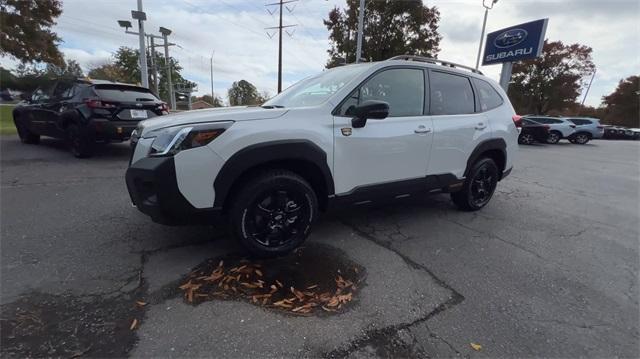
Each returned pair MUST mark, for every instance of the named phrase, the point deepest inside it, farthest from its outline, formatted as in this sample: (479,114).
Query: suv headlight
(171,140)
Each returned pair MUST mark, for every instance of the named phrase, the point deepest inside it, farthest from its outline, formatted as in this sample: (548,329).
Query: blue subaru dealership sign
(515,43)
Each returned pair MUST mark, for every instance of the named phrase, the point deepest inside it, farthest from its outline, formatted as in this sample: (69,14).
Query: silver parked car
(559,128)
(586,129)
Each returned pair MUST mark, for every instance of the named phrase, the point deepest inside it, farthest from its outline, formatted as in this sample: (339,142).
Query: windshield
(317,89)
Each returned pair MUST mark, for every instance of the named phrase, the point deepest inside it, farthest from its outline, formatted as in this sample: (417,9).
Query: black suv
(85,112)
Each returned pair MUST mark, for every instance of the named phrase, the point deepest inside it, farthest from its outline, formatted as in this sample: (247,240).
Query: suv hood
(238,113)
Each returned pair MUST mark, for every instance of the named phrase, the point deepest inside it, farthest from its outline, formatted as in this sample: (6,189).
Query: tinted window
(580,121)
(488,96)
(450,94)
(124,93)
(39,95)
(402,89)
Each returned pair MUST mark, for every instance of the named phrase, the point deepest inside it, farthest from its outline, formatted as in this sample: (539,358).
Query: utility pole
(484,26)
(154,67)
(167,60)
(281,3)
(360,31)
(141,17)
(588,87)
(213,95)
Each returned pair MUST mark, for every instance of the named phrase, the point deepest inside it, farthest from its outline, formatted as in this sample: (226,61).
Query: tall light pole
(484,26)
(213,95)
(141,17)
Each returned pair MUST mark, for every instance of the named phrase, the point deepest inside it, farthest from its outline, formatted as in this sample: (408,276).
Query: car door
(37,115)
(458,128)
(389,150)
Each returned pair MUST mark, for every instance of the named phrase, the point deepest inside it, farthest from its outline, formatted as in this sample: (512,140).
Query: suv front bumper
(153,189)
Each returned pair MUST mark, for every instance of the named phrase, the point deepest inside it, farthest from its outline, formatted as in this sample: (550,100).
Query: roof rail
(434,61)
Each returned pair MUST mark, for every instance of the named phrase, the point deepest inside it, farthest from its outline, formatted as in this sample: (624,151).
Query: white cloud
(234,29)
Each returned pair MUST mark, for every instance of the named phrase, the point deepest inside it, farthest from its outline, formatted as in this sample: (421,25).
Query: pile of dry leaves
(251,281)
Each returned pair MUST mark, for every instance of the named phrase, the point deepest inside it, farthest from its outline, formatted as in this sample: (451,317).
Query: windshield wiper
(272,106)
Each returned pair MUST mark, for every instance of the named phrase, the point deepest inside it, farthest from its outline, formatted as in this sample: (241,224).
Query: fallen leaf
(134,324)
(259,272)
(279,283)
(312,286)
(141,303)
(476,347)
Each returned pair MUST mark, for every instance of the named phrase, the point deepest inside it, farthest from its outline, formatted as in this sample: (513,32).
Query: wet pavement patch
(46,325)
(313,280)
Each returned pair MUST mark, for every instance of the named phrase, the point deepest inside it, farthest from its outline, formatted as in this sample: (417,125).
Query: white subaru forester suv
(349,136)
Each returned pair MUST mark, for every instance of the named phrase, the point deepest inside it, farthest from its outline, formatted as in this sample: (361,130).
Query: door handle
(422,129)
(481,126)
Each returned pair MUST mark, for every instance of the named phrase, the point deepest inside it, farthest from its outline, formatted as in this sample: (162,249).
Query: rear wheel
(479,186)
(554,137)
(25,135)
(581,138)
(525,139)
(81,146)
(272,213)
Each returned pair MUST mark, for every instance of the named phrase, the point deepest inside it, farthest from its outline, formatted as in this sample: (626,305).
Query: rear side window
(578,121)
(450,94)
(488,96)
(124,93)
(402,89)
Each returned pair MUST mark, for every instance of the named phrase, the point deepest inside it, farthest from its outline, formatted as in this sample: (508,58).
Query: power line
(280,27)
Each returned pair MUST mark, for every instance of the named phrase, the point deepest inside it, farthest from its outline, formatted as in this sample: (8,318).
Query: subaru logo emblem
(138,105)
(510,38)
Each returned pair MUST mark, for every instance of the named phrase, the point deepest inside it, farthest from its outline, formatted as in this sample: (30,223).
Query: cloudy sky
(233,31)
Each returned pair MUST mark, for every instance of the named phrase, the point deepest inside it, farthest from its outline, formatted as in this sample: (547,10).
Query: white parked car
(348,136)
(559,128)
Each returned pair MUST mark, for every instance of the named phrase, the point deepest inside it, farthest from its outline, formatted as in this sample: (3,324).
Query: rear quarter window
(488,96)
(124,93)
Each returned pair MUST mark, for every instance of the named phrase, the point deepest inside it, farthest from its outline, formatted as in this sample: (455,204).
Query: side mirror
(375,110)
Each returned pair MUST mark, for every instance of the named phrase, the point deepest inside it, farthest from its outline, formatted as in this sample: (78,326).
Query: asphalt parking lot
(549,268)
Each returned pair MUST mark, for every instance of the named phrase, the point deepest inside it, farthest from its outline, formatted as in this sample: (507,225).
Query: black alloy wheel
(582,138)
(554,137)
(525,139)
(479,186)
(272,214)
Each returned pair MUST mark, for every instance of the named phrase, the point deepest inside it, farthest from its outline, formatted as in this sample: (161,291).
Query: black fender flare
(262,153)
(494,144)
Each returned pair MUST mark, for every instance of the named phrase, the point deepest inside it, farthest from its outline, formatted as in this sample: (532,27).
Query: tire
(525,139)
(554,137)
(273,212)
(479,186)
(25,135)
(79,143)
(582,138)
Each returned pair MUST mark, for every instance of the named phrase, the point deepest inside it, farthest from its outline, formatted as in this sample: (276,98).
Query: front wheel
(272,213)
(26,136)
(479,186)
(554,137)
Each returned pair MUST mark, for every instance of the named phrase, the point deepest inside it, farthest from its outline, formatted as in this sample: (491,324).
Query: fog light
(119,130)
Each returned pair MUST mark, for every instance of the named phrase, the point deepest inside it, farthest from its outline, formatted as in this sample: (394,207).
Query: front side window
(450,94)
(488,96)
(402,89)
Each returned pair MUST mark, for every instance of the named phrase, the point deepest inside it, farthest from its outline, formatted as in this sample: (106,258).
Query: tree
(552,81)
(217,102)
(391,28)
(68,69)
(107,71)
(26,30)
(244,93)
(623,104)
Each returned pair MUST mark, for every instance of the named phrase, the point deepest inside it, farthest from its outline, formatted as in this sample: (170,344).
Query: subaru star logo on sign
(510,38)
(514,43)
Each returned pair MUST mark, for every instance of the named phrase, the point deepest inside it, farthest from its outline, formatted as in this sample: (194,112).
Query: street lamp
(487,7)
(124,23)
